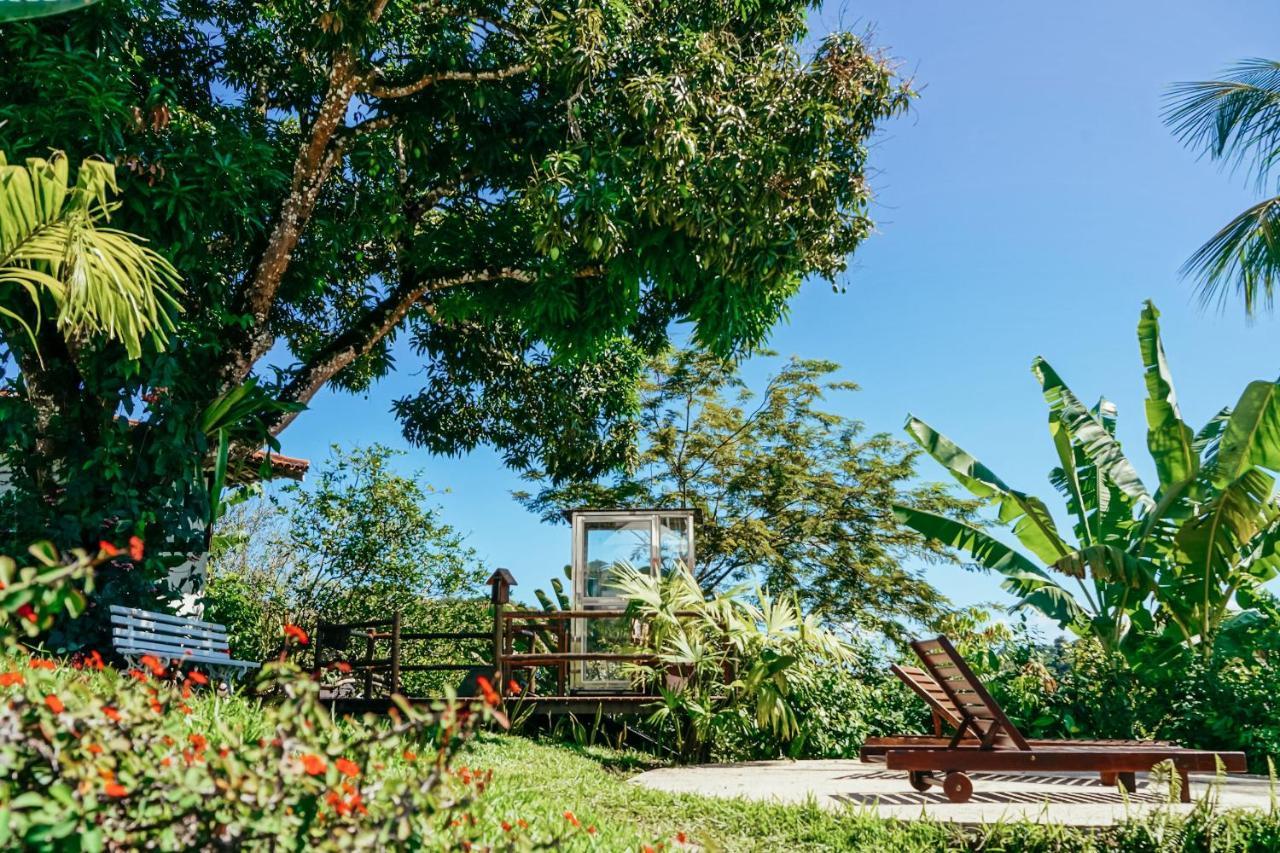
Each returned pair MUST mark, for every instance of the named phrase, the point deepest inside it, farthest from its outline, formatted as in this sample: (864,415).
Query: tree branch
(421,83)
(361,337)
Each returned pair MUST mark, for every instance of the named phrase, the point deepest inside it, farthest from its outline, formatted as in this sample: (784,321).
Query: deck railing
(526,641)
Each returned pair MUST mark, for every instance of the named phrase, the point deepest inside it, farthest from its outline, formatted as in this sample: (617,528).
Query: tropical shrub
(724,665)
(1147,574)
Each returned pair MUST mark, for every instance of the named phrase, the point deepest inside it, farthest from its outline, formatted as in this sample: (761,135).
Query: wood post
(318,640)
(395,652)
(501,580)
(368,658)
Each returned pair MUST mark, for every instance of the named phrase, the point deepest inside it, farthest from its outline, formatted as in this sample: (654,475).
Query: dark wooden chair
(985,739)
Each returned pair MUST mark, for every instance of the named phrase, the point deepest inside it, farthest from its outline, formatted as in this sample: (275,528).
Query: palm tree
(1237,121)
(1144,572)
(55,251)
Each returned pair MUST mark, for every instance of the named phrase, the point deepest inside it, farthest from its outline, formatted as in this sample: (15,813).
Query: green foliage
(1157,573)
(99,281)
(531,194)
(1234,120)
(724,665)
(354,543)
(789,494)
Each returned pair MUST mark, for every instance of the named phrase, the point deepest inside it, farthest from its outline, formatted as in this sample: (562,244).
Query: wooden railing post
(368,659)
(395,652)
(318,639)
(501,581)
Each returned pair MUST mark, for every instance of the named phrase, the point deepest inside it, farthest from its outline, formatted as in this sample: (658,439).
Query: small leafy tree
(1146,573)
(791,495)
(356,543)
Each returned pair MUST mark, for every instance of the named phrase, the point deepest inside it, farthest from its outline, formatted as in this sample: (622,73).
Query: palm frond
(1244,255)
(1236,119)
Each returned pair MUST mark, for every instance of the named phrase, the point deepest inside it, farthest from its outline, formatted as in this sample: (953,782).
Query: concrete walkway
(1075,799)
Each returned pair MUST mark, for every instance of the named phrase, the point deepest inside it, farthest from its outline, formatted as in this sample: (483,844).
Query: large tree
(790,495)
(529,193)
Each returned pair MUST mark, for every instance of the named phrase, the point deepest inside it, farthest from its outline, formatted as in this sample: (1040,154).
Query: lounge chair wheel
(921,780)
(958,786)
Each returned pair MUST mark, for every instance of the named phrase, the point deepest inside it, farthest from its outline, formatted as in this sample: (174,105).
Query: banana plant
(1144,572)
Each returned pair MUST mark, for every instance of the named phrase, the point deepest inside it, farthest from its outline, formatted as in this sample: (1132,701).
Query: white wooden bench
(176,639)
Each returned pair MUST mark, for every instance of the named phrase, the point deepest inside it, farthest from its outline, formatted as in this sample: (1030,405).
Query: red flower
(342,666)
(199,741)
(114,789)
(95,660)
(197,676)
(8,679)
(42,663)
(682,838)
(27,613)
(346,767)
(137,675)
(313,764)
(410,756)
(55,704)
(135,548)
(297,633)
(569,816)
(506,827)
(107,548)
(512,687)
(486,689)
(111,714)
(153,663)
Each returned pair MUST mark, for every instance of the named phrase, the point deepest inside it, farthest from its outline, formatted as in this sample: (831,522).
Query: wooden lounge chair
(985,739)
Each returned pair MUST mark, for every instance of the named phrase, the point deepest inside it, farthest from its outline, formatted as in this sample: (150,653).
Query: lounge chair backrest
(978,711)
(924,686)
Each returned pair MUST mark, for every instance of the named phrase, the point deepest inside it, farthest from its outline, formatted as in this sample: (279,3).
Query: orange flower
(137,675)
(107,548)
(486,689)
(313,764)
(111,714)
(347,768)
(342,666)
(156,707)
(410,756)
(506,827)
(569,816)
(197,677)
(291,630)
(135,548)
(95,660)
(591,830)
(42,663)
(26,612)
(199,741)
(55,704)
(113,789)
(513,688)
(8,679)
(153,663)
(166,761)
(94,749)
(682,838)
(522,824)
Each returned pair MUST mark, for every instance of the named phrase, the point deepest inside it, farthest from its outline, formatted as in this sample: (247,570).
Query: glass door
(607,546)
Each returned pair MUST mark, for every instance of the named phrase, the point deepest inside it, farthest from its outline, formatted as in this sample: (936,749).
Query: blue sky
(1027,205)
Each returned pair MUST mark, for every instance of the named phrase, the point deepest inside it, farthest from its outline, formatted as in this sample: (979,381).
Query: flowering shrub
(92,758)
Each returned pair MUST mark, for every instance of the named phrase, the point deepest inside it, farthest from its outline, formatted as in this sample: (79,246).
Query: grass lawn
(538,782)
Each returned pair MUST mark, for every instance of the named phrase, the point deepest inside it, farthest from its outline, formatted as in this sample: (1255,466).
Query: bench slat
(120,635)
(116,609)
(183,655)
(148,626)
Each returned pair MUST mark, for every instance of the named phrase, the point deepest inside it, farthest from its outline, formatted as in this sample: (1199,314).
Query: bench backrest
(162,634)
(975,706)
